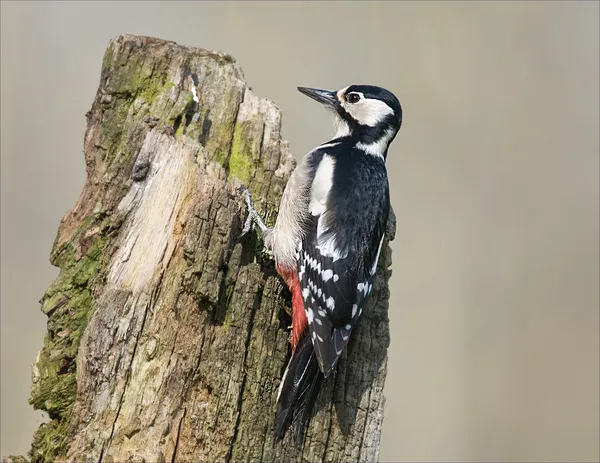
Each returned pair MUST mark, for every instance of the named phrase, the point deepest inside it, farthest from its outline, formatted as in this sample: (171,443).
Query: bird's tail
(298,391)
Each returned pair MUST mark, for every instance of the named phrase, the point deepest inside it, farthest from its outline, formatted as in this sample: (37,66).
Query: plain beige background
(494,177)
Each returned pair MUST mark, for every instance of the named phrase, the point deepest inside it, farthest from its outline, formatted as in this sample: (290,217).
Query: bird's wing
(336,263)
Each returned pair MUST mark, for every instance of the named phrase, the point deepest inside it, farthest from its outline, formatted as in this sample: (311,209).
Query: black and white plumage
(328,237)
(338,255)
(347,215)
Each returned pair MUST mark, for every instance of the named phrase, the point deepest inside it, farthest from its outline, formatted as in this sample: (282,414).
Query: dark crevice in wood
(257,302)
(179,426)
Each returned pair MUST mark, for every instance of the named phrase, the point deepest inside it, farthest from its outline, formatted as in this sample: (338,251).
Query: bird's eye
(353,97)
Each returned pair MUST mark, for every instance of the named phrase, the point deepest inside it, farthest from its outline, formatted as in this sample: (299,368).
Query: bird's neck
(375,144)
(371,140)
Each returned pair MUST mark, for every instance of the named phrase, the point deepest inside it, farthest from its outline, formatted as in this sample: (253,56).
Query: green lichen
(150,88)
(135,90)
(181,106)
(219,143)
(225,301)
(69,305)
(50,441)
(243,151)
(240,166)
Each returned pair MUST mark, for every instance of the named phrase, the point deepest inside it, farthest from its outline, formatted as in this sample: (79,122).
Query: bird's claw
(248,225)
(254,217)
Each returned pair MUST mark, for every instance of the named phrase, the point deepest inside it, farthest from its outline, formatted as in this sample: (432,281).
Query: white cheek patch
(368,111)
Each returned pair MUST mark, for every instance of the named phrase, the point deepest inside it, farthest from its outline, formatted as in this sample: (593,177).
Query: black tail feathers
(298,391)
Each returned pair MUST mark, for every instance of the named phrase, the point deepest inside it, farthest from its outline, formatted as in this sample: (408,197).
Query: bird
(327,239)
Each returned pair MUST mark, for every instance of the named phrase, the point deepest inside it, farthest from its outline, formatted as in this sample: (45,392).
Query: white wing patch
(319,195)
(327,247)
(321,186)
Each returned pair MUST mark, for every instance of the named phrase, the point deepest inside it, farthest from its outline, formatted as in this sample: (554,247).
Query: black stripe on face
(367,133)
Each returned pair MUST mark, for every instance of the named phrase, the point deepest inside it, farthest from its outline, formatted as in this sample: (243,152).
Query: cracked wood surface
(176,328)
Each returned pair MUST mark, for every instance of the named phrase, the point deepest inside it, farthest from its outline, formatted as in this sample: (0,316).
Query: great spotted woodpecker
(327,239)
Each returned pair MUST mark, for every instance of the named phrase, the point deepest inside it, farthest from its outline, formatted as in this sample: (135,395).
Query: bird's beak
(322,96)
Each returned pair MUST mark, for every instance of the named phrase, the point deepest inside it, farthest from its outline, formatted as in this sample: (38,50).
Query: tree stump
(167,332)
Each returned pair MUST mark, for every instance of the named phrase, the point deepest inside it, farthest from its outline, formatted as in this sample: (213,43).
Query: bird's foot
(254,217)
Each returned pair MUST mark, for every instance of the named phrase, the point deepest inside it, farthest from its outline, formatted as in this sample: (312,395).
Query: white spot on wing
(354,309)
(305,293)
(310,315)
(327,274)
(336,277)
(331,303)
(327,246)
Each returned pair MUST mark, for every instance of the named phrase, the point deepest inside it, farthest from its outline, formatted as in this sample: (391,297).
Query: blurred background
(494,177)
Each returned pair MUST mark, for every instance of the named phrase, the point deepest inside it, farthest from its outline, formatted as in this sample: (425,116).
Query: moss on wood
(167,333)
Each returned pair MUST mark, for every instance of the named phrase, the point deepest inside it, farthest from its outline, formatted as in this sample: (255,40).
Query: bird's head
(372,115)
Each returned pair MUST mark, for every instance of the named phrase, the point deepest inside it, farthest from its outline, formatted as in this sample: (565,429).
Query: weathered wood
(167,333)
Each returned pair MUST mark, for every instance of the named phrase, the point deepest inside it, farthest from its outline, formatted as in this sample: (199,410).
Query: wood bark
(167,332)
